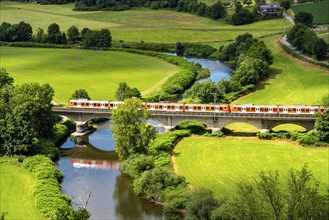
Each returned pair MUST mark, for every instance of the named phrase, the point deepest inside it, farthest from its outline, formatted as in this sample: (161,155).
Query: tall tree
(73,34)
(132,134)
(305,18)
(124,92)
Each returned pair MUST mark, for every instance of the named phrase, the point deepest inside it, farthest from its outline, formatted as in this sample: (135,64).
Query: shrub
(153,184)
(176,201)
(48,148)
(59,132)
(136,164)
(265,135)
(194,126)
(166,141)
(162,159)
(308,139)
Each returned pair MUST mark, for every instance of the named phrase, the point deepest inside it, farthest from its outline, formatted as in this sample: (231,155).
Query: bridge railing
(192,113)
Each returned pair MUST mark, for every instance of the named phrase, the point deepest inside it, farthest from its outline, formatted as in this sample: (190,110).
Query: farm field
(291,82)
(18,201)
(218,164)
(318,9)
(136,25)
(99,72)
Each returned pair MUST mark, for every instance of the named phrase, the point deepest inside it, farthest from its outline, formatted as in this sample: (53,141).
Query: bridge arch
(307,126)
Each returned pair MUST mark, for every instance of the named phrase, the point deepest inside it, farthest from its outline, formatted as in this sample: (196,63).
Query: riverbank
(17,186)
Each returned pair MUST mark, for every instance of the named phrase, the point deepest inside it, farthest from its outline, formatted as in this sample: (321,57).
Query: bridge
(214,120)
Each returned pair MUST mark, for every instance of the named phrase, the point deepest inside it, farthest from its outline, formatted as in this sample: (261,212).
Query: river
(91,170)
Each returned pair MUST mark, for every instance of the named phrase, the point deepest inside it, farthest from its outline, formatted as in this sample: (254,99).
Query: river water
(91,170)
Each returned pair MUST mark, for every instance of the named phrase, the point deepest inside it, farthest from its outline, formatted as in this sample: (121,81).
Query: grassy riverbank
(218,164)
(99,72)
(17,201)
(291,82)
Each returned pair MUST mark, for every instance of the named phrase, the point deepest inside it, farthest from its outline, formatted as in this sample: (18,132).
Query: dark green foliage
(205,92)
(322,126)
(73,34)
(198,50)
(201,204)
(153,184)
(49,2)
(48,149)
(5,79)
(136,164)
(163,159)
(180,48)
(194,126)
(97,39)
(319,48)
(167,141)
(160,47)
(54,35)
(130,130)
(80,94)
(285,4)
(70,124)
(304,18)
(177,83)
(203,74)
(16,32)
(176,201)
(125,92)
(243,16)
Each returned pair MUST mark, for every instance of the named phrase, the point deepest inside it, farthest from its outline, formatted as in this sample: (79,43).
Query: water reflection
(91,164)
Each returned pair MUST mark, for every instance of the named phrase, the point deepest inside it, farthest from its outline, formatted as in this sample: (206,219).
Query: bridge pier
(168,128)
(82,129)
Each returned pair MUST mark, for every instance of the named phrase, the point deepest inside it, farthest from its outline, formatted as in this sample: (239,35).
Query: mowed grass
(219,164)
(138,24)
(16,197)
(319,10)
(291,81)
(99,72)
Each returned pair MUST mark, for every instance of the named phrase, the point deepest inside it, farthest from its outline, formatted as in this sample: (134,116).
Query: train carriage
(85,103)
(299,109)
(251,108)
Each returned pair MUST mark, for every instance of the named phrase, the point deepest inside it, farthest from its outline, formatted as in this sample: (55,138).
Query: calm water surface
(93,167)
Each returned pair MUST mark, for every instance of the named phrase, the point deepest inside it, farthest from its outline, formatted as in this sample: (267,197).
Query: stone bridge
(213,120)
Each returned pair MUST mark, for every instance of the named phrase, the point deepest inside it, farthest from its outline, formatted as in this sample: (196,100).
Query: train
(221,108)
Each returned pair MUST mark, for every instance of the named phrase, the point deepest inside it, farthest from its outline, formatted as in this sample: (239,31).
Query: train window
(253,109)
(168,106)
(239,109)
(98,104)
(294,109)
(212,108)
(199,107)
(160,106)
(221,108)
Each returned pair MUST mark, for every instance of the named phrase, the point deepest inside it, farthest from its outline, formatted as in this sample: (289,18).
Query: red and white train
(226,108)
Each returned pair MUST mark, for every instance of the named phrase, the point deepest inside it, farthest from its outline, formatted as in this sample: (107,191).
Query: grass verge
(319,10)
(219,164)
(16,197)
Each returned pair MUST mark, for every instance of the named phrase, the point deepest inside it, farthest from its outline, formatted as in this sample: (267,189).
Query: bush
(60,131)
(265,136)
(47,192)
(176,201)
(48,149)
(194,126)
(153,184)
(136,164)
(166,141)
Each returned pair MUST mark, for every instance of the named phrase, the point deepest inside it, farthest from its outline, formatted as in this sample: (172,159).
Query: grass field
(319,10)
(136,25)
(17,201)
(291,82)
(99,72)
(218,164)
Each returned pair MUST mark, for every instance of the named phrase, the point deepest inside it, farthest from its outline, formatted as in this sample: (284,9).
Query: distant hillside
(319,10)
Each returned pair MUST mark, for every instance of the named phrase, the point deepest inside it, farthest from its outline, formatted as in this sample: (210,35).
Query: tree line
(22,32)
(306,40)
(252,60)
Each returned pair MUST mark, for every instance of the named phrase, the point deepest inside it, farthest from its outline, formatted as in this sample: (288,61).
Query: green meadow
(290,82)
(99,72)
(220,163)
(318,9)
(17,201)
(138,24)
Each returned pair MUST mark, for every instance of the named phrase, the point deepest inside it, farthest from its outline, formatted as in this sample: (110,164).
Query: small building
(268,9)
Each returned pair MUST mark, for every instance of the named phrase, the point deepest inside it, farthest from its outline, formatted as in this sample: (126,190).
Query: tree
(180,49)
(54,35)
(285,4)
(124,92)
(23,32)
(130,130)
(80,94)
(98,39)
(304,200)
(73,34)
(319,48)
(322,126)
(238,6)
(5,79)
(243,16)
(201,204)
(206,92)
(325,100)
(17,132)
(247,2)
(217,11)
(305,18)
(38,98)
